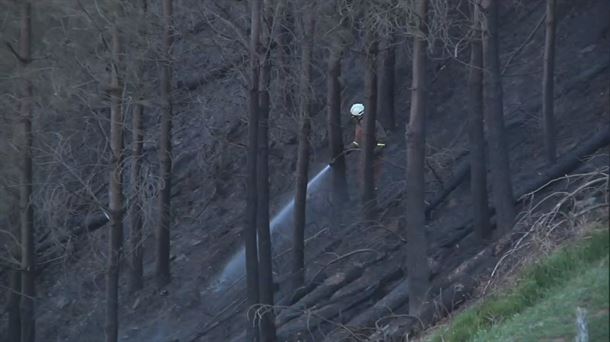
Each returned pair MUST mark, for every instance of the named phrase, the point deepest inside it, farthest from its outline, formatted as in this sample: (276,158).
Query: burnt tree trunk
(386,83)
(478,169)
(264,232)
(368,159)
(135,238)
(300,198)
(12,305)
(567,163)
(335,133)
(116,189)
(494,117)
(136,274)
(460,172)
(548,84)
(25,185)
(417,261)
(163,275)
(286,44)
(250,226)
(267,324)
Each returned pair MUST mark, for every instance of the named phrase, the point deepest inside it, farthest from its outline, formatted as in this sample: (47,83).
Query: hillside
(561,296)
(355,270)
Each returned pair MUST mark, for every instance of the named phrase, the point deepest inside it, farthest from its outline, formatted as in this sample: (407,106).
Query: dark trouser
(377,170)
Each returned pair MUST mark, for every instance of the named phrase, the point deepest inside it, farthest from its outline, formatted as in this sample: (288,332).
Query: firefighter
(357,112)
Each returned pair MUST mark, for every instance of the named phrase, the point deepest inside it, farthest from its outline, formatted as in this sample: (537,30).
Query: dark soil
(209,203)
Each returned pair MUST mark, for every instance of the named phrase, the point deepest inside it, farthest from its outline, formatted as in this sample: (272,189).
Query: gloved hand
(379,148)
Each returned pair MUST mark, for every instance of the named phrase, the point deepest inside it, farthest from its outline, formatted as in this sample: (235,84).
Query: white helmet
(357,110)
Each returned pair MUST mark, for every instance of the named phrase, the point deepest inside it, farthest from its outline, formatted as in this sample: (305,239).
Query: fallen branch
(326,314)
(394,299)
(322,292)
(548,220)
(566,164)
(460,175)
(544,178)
(343,304)
(316,280)
(452,294)
(217,322)
(447,301)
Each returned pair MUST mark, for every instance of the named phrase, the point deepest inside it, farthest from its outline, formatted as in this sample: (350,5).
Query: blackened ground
(209,203)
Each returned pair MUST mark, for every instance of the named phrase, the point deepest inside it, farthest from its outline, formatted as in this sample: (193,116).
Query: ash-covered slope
(359,267)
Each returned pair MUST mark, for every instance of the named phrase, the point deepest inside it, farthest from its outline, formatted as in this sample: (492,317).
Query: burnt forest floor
(361,262)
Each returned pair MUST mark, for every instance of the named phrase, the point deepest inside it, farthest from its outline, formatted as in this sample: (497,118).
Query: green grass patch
(540,290)
(554,317)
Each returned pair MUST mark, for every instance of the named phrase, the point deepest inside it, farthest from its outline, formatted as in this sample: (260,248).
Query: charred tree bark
(135,238)
(335,134)
(300,198)
(478,169)
(12,306)
(322,292)
(386,83)
(385,306)
(250,224)
(417,261)
(116,188)
(163,275)
(548,84)
(267,328)
(460,173)
(369,202)
(25,187)
(494,117)
(286,45)
(264,232)
(136,275)
(342,306)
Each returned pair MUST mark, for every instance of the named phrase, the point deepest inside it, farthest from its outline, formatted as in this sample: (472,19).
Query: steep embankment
(355,270)
(545,300)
